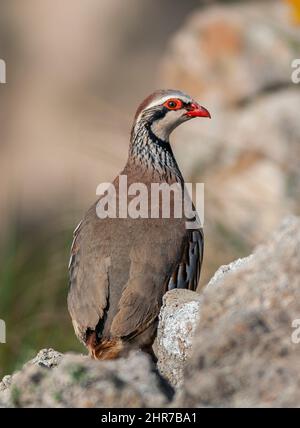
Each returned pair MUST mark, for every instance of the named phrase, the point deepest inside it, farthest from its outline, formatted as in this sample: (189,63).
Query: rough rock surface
(78,381)
(243,353)
(47,358)
(225,269)
(178,319)
(234,345)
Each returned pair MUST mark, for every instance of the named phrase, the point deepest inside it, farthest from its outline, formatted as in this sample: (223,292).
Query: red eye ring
(173,104)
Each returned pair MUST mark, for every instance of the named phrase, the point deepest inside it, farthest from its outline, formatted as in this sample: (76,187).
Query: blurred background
(76,71)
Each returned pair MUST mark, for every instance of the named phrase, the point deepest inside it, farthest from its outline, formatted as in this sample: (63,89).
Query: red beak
(197,111)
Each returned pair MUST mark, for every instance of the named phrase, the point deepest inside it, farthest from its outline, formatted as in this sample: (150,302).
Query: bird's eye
(173,104)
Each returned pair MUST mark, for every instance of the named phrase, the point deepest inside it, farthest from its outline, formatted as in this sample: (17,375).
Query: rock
(227,53)
(225,269)
(236,344)
(243,353)
(77,381)
(177,321)
(47,358)
(4,387)
(5,383)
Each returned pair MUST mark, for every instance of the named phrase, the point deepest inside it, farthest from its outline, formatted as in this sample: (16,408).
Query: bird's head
(164,110)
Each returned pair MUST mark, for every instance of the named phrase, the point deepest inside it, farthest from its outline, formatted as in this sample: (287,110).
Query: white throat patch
(163,127)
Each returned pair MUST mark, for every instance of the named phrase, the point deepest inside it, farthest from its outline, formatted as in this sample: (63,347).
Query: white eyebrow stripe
(161,100)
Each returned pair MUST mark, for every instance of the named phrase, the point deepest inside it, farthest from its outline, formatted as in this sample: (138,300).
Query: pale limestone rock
(178,319)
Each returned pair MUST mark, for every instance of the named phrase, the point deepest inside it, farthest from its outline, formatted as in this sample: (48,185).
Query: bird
(120,267)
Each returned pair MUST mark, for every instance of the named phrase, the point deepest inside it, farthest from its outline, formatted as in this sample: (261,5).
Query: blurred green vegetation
(33,291)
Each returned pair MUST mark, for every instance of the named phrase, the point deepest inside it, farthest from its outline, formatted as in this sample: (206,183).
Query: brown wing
(88,272)
(140,301)
(150,279)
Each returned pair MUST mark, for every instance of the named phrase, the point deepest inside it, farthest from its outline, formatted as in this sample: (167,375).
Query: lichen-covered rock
(243,353)
(78,381)
(177,321)
(47,358)
(235,344)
